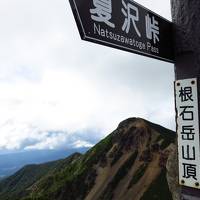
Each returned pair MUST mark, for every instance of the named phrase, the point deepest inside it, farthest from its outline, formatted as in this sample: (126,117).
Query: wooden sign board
(125,25)
(187,119)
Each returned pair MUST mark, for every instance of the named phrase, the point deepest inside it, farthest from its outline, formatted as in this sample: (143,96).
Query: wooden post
(186,19)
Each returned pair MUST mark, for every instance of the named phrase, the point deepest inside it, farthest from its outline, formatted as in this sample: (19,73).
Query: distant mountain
(12,162)
(129,164)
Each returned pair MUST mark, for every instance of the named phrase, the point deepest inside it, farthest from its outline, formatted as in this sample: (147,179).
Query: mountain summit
(129,164)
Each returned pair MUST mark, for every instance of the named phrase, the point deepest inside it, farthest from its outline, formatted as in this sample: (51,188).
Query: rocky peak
(130,162)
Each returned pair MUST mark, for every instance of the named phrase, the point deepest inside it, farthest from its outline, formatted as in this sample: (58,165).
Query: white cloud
(51,80)
(162,8)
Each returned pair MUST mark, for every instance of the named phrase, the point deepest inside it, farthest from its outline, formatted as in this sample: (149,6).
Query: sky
(57,91)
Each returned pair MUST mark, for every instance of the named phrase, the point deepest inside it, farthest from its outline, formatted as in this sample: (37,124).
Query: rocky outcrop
(130,163)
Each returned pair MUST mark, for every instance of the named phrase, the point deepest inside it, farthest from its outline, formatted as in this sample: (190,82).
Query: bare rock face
(130,163)
(136,163)
(172,172)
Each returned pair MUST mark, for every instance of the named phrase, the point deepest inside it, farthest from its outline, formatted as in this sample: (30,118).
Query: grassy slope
(63,184)
(159,189)
(71,178)
(16,185)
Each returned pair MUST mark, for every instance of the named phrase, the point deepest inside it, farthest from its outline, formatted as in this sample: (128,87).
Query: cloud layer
(58,91)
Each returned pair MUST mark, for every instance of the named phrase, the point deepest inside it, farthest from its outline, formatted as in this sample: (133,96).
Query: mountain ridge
(12,162)
(129,162)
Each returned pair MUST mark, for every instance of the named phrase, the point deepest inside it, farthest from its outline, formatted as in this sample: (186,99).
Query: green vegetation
(56,180)
(159,189)
(121,173)
(117,157)
(168,136)
(98,151)
(165,141)
(124,169)
(57,185)
(138,174)
(73,178)
(17,185)
(61,184)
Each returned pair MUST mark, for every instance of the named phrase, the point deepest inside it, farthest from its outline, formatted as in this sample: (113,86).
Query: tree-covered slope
(130,162)
(17,185)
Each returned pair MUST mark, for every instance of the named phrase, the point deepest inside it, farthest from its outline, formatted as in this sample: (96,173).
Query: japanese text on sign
(188,132)
(103,13)
(125,25)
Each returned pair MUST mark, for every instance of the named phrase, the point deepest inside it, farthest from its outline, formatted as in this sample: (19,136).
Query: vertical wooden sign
(187,119)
